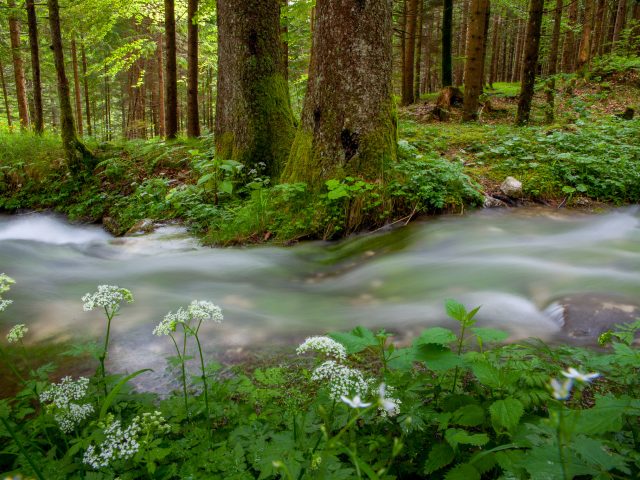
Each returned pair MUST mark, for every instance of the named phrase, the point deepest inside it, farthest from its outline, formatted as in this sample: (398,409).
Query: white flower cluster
(4,304)
(17,333)
(388,406)
(108,296)
(122,444)
(63,399)
(341,380)
(198,310)
(325,345)
(5,285)
(119,443)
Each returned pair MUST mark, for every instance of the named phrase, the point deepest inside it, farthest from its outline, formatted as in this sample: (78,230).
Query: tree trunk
(418,62)
(85,82)
(76,86)
(532,42)
(568,55)
(598,39)
(426,79)
(254,122)
(285,38)
(462,44)
(555,38)
(585,45)
(171,77)
(495,47)
(18,66)
(621,15)
(348,125)
(38,119)
(5,96)
(161,87)
(447,27)
(635,34)
(409,53)
(78,157)
(193,117)
(473,72)
(516,74)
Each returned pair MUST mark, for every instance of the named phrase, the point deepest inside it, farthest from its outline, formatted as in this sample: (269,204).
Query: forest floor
(588,158)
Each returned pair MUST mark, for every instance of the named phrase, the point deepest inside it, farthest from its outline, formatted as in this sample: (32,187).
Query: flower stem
(563,460)
(204,376)
(105,349)
(184,377)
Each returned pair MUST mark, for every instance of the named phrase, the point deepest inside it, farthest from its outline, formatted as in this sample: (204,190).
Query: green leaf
(226,187)
(594,452)
(114,393)
(464,471)
(436,335)
(455,437)
(487,374)
(506,414)
(468,416)
(437,357)
(403,359)
(205,178)
(356,340)
(490,335)
(455,310)
(440,455)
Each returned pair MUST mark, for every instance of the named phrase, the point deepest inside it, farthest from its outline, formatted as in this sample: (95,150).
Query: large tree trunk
(171,77)
(76,86)
(18,66)
(193,117)
(568,55)
(7,109)
(474,68)
(348,124)
(161,86)
(38,119)
(409,53)
(254,122)
(555,38)
(598,39)
(621,15)
(447,28)
(585,45)
(532,42)
(462,43)
(85,81)
(78,157)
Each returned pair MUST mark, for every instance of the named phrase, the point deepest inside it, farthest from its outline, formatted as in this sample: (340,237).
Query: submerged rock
(584,317)
(511,187)
(492,202)
(141,227)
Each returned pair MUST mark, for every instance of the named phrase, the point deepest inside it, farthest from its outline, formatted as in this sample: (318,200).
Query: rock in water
(491,202)
(141,227)
(511,187)
(585,317)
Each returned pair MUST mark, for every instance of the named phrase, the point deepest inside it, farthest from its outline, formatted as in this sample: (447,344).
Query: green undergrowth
(455,404)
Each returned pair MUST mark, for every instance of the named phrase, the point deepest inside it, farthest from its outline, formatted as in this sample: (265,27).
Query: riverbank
(587,159)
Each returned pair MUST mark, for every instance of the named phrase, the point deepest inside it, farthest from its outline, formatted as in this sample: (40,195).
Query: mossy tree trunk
(18,65)
(531,53)
(76,86)
(85,81)
(79,158)
(474,66)
(584,55)
(254,122)
(620,17)
(7,108)
(349,123)
(38,119)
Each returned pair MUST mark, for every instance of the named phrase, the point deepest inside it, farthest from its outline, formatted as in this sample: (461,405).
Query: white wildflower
(63,401)
(201,310)
(4,304)
(107,296)
(561,391)
(5,282)
(387,404)
(574,374)
(17,333)
(325,345)
(341,380)
(119,444)
(355,402)
(170,322)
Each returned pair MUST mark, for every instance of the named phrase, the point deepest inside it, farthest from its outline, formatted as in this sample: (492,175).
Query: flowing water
(513,262)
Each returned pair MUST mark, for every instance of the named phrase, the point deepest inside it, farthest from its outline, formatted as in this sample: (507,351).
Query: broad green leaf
(456,436)
(506,414)
(436,335)
(490,335)
(487,374)
(464,471)
(403,359)
(594,452)
(356,340)
(468,416)
(455,310)
(205,178)
(437,357)
(440,455)
(226,187)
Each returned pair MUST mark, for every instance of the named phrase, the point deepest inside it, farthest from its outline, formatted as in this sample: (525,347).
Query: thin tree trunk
(568,56)
(418,62)
(18,66)
(532,42)
(38,118)
(409,53)
(171,77)
(463,42)
(555,38)
(193,117)
(76,85)
(5,96)
(473,72)
(426,79)
(447,28)
(621,15)
(584,54)
(85,82)
(161,88)
(79,158)
(495,46)
(516,75)
(599,29)
(285,38)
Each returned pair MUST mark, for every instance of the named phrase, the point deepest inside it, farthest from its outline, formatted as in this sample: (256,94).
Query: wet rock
(491,202)
(511,187)
(585,317)
(141,227)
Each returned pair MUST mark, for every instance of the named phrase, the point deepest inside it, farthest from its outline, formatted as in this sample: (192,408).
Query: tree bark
(621,15)
(409,53)
(161,87)
(171,77)
(463,42)
(585,45)
(5,96)
(532,42)
(568,55)
(85,81)
(79,159)
(76,86)
(473,72)
(254,122)
(555,38)
(426,79)
(447,28)
(495,50)
(193,116)
(598,40)
(18,66)
(348,125)
(38,118)
(418,62)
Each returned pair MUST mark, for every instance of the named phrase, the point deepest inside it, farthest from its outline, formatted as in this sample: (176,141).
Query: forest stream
(517,263)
